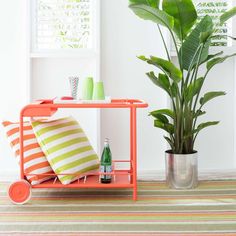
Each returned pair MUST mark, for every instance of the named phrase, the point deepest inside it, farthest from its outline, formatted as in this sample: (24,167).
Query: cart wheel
(19,192)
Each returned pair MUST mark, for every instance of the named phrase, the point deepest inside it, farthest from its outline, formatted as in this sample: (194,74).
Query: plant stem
(204,77)
(195,103)
(187,145)
(167,52)
(195,120)
(176,48)
(191,66)
(197,65)
(175,104)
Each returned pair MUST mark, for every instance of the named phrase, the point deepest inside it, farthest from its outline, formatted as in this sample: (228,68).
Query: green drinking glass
(98,91)
(87,88)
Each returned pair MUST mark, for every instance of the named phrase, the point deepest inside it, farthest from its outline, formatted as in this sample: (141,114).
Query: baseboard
(146,175)
(159,175)
(9,175)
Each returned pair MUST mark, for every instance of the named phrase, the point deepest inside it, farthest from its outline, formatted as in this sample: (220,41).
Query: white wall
(13,71)
(216,144)
(124,36)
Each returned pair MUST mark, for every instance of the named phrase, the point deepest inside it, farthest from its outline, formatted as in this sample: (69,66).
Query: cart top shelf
(47,107)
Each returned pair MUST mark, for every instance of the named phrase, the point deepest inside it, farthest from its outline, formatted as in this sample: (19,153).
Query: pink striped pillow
(35,161)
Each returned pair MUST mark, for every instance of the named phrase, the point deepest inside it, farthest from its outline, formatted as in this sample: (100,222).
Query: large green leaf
(174,89)
(154,79)
(166,66)
(197,85)
(199,113)
(171,143)
(184,14)
(205,36)
(218,60)
(193,89)
(152,3)
(167,112)
(165,126)
(210,95)
(161,81)
(192,43)
(162,118)
(211,56)
(227,15)
(233,38)
(155,15)
(204,125)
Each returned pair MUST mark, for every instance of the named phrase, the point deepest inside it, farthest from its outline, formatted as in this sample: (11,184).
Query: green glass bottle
(106,163)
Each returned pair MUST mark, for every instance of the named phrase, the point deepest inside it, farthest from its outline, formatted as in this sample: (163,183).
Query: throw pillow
(35,161)
(67,148)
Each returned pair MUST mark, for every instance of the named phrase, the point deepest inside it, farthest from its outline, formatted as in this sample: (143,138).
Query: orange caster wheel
(19,192)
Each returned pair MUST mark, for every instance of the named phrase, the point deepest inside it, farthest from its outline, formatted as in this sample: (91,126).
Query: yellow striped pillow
(35,161)
(66,148)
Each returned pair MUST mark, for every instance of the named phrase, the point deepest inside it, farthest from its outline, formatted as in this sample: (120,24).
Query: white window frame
(80,52)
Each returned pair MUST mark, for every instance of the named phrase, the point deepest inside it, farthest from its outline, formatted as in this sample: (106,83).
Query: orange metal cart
(20,191)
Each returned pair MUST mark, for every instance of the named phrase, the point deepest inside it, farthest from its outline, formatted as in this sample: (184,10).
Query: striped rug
(208,210)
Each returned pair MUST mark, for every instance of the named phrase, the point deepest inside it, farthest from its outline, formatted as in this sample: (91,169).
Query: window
(215,8)
(63,25)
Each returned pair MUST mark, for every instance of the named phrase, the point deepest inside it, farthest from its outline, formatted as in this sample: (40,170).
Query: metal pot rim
(184,154)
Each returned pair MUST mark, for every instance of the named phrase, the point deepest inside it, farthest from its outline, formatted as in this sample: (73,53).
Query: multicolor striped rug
(208,210)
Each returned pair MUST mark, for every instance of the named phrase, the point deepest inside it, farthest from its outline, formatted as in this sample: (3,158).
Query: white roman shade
(62,24)
(215,8)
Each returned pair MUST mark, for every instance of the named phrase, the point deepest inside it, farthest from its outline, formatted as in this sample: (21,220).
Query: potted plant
(182,82)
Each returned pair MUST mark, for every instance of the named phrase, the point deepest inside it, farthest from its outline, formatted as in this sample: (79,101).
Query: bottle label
(106,169)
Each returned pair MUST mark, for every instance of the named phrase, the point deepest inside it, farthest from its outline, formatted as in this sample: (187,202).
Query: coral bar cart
(20,191)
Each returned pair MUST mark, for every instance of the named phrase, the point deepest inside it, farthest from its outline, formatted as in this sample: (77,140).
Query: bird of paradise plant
(182,82)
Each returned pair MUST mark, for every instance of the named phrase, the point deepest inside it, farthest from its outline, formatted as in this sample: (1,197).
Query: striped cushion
(67,148)
(35,161)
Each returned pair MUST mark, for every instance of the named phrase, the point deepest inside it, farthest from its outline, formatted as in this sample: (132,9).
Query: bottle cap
(106,141)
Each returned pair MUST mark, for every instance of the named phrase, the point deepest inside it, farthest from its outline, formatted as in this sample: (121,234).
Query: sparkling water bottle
(106,163)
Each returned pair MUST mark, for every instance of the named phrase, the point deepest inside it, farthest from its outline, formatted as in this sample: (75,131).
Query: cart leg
(134,151)
(22,175)
(131,147)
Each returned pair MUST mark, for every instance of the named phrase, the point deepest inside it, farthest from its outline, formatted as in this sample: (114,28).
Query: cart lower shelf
(119,181)
(20,191)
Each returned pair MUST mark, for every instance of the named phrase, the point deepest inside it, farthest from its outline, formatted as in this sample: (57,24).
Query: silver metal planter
(181,170)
